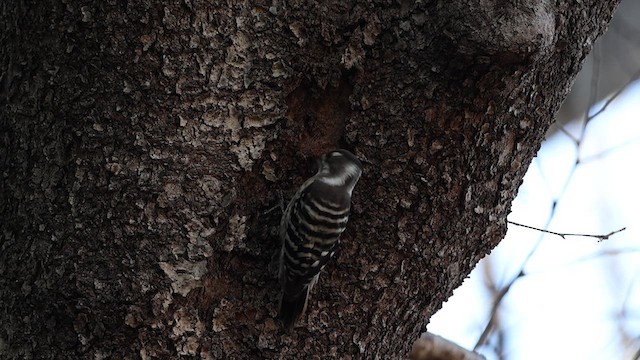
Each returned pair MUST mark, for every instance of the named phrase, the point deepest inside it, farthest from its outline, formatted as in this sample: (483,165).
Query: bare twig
(569,135)
(564,235)
(496,304)
(608,102)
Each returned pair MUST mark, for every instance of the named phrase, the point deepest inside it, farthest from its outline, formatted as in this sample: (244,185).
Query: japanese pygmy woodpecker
(310,229)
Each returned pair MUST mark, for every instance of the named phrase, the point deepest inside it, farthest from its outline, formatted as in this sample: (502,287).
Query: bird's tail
(292,307)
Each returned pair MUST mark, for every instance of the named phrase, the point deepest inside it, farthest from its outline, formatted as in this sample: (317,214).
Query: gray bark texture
(143,143)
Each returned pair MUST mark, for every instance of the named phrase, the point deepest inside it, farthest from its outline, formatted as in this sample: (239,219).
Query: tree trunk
(142,146)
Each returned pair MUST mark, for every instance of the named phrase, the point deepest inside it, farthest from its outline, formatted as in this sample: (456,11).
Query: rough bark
(143,143)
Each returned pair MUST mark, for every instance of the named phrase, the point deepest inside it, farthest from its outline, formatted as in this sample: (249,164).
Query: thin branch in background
(569,135)
(596,255)
(623,315)
(615,95)
(564,235)
(628,295)
(494,309)
(606,152)
(569,178)
(544,179)
(595,81)
(496,326)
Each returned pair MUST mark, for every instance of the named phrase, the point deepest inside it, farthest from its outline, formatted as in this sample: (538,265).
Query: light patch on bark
(237,232)
(198,246)
(185,276)
(186,331)
(249,150)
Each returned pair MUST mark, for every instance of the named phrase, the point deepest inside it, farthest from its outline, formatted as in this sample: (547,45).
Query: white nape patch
(339,180)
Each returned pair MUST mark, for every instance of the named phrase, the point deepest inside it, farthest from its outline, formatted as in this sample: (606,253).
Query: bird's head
(340,168)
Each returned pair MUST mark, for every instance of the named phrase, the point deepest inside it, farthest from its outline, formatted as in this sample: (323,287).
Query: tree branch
(433,347)
(564,235)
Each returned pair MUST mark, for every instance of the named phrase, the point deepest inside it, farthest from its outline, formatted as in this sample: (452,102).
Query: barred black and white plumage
(310,229)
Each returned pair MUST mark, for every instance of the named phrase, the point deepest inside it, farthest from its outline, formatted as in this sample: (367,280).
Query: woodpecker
(310,229)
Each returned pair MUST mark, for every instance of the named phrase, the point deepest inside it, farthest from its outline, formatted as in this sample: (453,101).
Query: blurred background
(541,296)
